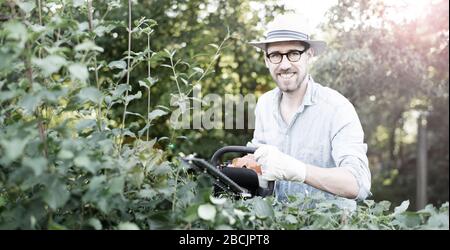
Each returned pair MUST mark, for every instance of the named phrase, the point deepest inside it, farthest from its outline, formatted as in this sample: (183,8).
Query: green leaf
(162,169)
(56,194)
(88,45)
(291,219)
(262,208)
(83,161)
(108,100)
(53,95)
(438,221)
(191,214)
(184,81)
(152,80)
(428,210)
(198,70)
(148,82)
(30,102)
(214,45)
(407,220)
(231,219)
(7,95)
(100,30)
(166,66)
(65,154)
(95,223)
(117,65)
(381,207)
(120,89)
(49,64)
(16,31)
(143,130)
(147,193)
(169,53)
(217,201)
(143,84)
(3,202)
(78,3)
(129,98)
(38,164)
(116,185)
(322,221)
(135,175)
(55,226)
(239,213)
(369,203)
(156,113)
(444,208)
(207,212)
(78,71)
(223,227)
(97,183)
(90,93)
(26,6)
(128,133)
(135,114)
(85,124)
(163,138)
(36,28)
(402,208)
(128,226)
(13,149)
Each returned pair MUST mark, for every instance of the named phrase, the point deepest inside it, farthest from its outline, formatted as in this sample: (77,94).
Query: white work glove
(279,166)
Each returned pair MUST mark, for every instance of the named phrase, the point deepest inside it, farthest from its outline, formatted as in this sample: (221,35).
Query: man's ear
(310,53)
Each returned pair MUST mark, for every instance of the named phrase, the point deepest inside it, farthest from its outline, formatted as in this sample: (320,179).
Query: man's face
(288,75)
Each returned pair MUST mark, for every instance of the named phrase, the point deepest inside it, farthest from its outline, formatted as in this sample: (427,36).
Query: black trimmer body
(241,182)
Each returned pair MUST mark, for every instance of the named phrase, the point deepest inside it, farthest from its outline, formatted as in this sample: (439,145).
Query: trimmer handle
(242,149)
(230,149)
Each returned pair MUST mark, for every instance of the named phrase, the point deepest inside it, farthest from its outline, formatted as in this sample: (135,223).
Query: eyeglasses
(292,56)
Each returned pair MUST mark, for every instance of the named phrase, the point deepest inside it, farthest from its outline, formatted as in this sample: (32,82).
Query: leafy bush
(66,162)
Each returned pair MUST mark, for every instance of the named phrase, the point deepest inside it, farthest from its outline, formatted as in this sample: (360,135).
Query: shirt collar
(308,99)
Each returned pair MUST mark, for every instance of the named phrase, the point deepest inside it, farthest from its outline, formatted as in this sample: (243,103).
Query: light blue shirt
(325,132)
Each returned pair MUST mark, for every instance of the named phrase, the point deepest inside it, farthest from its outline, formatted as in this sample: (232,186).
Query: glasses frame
(287,55)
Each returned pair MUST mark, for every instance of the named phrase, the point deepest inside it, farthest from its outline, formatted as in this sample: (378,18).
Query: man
(309,137)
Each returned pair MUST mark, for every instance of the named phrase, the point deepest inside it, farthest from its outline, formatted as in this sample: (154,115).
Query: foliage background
(74,146)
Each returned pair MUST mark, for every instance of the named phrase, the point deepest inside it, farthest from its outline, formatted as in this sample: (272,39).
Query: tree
(388,69)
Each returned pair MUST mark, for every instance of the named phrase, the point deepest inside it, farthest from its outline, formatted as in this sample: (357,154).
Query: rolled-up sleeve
(348,148)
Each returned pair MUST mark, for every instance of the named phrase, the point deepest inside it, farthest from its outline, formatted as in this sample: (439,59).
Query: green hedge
(67,162)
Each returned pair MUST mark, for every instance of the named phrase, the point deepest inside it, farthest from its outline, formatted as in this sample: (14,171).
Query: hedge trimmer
(239,179)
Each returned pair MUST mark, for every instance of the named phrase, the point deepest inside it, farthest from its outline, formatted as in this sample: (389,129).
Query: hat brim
(318,46)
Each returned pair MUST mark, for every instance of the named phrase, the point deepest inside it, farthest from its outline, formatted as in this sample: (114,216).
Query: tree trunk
(421,162)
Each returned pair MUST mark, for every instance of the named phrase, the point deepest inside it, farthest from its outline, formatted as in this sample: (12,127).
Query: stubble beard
(288,89)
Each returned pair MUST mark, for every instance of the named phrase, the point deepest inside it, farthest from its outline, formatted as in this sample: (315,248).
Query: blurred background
(389,58)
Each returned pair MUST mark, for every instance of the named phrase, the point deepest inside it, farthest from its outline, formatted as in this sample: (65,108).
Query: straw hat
(289,27)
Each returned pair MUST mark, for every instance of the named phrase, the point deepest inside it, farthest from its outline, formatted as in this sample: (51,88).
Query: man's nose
(285,63)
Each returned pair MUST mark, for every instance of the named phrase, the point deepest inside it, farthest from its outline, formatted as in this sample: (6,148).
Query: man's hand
(247,161)
(279,166)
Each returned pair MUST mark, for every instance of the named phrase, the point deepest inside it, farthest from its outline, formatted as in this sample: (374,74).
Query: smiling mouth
(286,76)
